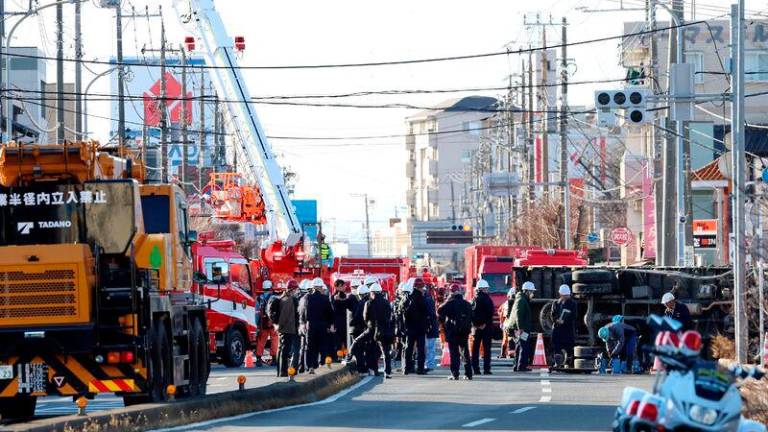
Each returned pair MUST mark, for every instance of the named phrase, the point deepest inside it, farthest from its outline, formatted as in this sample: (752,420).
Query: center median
(187,411)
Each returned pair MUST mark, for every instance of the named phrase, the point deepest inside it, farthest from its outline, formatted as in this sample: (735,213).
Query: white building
(28,86)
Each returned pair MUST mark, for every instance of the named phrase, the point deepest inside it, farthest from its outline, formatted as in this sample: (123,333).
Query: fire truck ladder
(201,17)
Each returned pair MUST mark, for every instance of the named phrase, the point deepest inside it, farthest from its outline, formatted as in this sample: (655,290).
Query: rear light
(632,409)
(648,412)
(126,357)
(113,357)
(691,340)
(189,42)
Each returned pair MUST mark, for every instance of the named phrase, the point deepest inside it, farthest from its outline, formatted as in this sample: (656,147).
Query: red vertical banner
(538,168)
(649,212)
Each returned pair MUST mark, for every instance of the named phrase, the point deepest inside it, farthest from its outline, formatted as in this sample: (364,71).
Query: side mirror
(199,278)
(191,236)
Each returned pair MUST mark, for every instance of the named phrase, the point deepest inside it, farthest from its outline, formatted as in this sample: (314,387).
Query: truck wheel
(545,318)
(18,407)
(593,276)
(198,359)
(586,352)
(592,288)
(234,348)
(160,369)
(584,364)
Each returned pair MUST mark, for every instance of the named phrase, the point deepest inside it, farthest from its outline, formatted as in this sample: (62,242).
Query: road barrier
(187,411)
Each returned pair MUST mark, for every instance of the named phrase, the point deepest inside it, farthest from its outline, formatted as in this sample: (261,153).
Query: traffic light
(634,102)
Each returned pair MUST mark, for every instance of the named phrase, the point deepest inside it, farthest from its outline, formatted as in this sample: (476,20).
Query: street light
(85,98)
(7,58)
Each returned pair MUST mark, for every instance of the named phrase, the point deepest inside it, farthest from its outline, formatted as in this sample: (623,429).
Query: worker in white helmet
(360,346)
(316,318)
(676,310)
(507,343)
(378,318)
(563,316)
(370,280)
(522,324)
(482,322)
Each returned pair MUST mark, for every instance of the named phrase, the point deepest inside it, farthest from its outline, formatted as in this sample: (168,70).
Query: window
(43,102)
(210,263)
(472,127)
(156,209)
(756,66)
(697,59)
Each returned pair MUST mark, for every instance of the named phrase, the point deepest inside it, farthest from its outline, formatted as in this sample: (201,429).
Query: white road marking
(331,399)
(546,399)
(546,389)
(523,409)
(478,422)
(546,382)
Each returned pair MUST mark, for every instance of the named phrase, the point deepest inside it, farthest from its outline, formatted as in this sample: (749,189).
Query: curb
(155,416)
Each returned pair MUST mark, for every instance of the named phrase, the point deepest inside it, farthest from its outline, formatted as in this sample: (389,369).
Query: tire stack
(593,282)
(584,357)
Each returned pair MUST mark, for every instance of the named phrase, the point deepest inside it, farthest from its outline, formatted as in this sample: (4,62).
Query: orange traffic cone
(445,360)
(539,355)
(249,359)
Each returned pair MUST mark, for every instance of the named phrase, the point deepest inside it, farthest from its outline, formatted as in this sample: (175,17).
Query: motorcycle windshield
(711,383)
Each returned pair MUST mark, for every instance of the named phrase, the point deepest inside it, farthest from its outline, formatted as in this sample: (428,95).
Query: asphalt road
(533,401)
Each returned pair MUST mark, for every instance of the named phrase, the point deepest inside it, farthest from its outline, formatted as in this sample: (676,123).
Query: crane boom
(201,17)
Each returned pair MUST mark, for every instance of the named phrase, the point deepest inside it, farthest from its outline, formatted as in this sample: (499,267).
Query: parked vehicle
(228,290)
(692,394)
(389,271)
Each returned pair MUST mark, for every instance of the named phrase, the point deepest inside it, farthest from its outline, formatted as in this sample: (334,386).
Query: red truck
(230,296)
(389,271)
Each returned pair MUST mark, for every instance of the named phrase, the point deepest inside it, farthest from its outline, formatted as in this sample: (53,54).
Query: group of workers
(313,324)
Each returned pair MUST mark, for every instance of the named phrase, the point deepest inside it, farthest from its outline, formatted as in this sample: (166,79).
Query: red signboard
(173,101)
(621,236)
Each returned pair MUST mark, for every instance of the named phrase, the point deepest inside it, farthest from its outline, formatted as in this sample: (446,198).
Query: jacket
(315,310)
(288,321)
(433,331)
(449,311)
(357,323)
(416,314)
(565,310)
(618,334)
(521,313)
(680,313)
(377,314)
(482,310)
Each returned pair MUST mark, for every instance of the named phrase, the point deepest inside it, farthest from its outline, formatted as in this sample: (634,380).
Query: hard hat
(564,290)
(400,286)
(371,280)
(267,285)
(617,318)
(375,287)
(667,297)
(512,291)
(363,290)
(304,285)
(529,286)
(292,284)
(408,288)
(354,283)
(318,283)
(482,284)
(603,333)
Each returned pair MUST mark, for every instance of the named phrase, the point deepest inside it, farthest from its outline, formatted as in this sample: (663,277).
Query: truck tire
(160,368)
(234,348)
(588,364)
(18,407)
(592,288)
(586,352)
(545,318)
(198,358)
(593,276)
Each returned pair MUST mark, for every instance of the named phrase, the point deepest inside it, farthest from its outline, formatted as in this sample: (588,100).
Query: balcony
(410,169)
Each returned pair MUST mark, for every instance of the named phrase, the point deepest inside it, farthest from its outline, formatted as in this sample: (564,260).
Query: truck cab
(228,289)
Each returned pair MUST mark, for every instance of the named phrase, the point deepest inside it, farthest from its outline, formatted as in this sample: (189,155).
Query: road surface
(533,401)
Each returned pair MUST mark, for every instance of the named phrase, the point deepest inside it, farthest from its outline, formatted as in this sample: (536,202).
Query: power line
(380,63)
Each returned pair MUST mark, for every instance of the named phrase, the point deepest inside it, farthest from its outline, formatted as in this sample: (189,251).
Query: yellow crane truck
(95,281)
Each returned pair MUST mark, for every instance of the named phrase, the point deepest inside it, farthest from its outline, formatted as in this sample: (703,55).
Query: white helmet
(667,297)
(482,284)
(363,290)
(375,287)
(564,290)
(408,285)
(371,280)
(400,286)
(529,286)
(304,285)
(354,283)
(512,291)
(267,284)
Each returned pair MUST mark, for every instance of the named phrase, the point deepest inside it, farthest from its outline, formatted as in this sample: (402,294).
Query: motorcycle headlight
(706,416)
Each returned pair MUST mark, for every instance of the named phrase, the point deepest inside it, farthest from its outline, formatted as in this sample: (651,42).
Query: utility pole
(201,132)
(184,175)
(163,102)
(121,84)
(530,143)
(78,74)
(59,73)
(524,119)
(217,135)
(566,195)
(680,173)
(544,114)
(738,179)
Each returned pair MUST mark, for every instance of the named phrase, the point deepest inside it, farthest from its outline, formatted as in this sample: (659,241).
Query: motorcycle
(691,394)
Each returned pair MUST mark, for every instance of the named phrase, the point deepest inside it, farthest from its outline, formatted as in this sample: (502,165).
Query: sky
(290,32)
